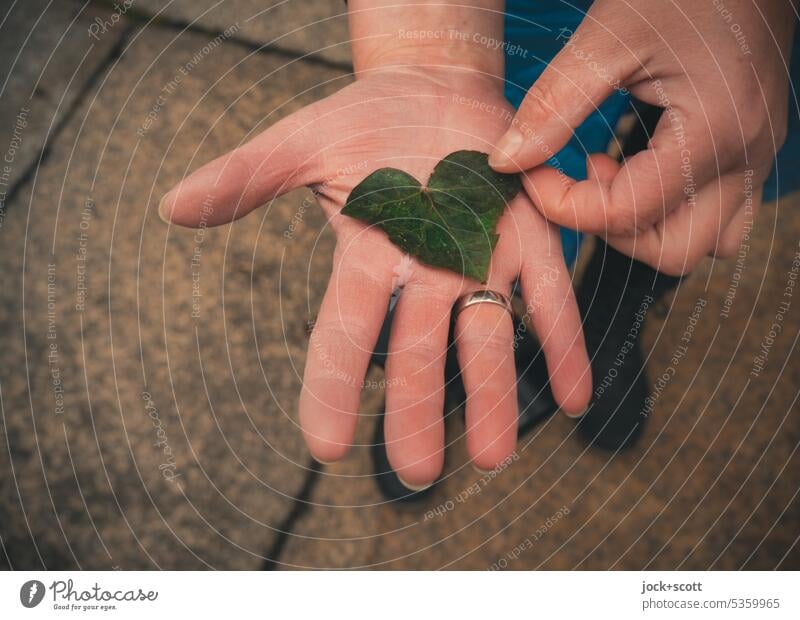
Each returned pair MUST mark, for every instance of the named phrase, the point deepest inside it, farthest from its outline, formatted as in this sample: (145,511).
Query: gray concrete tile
(141,435)
(47,57)
(317,28)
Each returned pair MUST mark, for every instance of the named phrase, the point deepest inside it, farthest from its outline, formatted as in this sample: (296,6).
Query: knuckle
(485,341)
(630,214)
(541,101)
(730,243)
(546,286)
(416,352)
(440,293)
(726,248)
(338,337)
(753,131)
(628,226)
(676,266)
(625,221)
(762,135)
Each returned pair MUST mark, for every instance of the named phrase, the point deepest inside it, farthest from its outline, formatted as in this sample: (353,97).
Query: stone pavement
(149,376)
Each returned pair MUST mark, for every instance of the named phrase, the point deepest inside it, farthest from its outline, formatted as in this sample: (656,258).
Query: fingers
(677,244)
(646,189)
(484,339)
(339,351)
(580,77)
(601,167)
(282,158)
(551,307)
(548,187)
(414,425)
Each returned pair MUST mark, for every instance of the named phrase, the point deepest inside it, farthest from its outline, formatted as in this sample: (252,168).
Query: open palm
(409,119)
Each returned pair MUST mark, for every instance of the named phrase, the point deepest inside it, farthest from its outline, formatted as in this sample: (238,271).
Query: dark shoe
(536,402)
(614,297)
(615,294)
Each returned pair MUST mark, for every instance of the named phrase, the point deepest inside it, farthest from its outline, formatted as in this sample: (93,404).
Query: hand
(410,119)
(720,72)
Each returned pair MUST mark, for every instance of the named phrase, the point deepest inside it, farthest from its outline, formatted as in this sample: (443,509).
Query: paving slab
(47,56)
(149,374)
(149,377)
(318,29)
(712,484)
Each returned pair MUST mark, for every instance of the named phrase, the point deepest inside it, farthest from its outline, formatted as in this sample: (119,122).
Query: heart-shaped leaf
(451,223)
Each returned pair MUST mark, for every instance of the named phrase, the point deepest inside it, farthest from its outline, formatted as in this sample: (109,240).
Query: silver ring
(484,296)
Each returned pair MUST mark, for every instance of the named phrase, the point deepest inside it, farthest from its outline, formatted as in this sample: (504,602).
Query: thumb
(282,158)
(581,76)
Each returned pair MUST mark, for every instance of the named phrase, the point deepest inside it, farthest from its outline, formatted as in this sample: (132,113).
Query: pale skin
(415,100)
(721,70)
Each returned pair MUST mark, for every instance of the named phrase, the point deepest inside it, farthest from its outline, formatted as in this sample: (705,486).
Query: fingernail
(162,209)
(321,462)
(482,472)
(416,488)
(507,148)
(575,416)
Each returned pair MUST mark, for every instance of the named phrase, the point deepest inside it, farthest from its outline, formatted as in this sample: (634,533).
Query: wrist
(385,33)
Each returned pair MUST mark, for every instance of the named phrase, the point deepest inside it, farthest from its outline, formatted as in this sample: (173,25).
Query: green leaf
(449,224)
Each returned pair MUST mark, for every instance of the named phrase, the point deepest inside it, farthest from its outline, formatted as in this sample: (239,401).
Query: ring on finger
(483,296)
